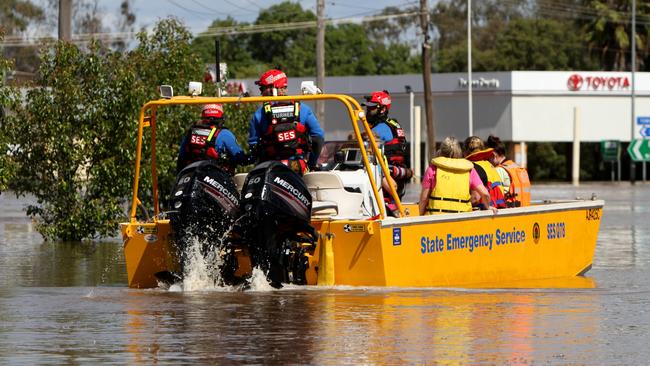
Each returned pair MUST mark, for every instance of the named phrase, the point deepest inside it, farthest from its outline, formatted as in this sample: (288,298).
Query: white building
(517,106)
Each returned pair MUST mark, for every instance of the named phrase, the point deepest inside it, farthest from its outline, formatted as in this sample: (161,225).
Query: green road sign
(610,150)
(639,150)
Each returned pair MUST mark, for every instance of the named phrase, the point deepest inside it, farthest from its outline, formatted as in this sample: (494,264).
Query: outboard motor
(204,203)
(275,222)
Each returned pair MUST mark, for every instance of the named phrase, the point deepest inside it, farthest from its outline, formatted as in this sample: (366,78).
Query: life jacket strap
(441,210)
(449,200)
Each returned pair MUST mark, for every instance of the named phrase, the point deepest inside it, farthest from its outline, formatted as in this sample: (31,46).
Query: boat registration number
(555,230)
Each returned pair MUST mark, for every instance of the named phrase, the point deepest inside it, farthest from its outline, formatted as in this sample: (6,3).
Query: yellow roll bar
(148,117)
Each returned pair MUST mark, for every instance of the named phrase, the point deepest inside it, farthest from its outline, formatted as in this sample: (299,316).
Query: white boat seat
(324,209)
(239,179)
(327,190)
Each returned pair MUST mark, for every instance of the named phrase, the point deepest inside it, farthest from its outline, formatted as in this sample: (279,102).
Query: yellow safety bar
(354,110)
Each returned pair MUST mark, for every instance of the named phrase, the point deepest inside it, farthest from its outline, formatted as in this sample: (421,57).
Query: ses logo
(577,82)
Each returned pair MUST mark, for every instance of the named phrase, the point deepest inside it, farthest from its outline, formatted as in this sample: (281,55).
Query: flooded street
(68,303)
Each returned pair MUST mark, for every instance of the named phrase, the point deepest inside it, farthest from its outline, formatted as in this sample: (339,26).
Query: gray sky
(198,14)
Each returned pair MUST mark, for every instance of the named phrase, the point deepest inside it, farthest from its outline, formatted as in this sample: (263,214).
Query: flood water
(68,303)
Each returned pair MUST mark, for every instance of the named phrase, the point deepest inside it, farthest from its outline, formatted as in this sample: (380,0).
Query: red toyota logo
(574,82)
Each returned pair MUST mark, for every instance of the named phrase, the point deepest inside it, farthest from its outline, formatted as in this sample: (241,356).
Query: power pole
(65,20)
(633,36)
(426,76)
(320,58)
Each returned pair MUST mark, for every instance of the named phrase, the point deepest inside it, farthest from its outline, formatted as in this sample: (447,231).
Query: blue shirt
(259,124)
(383,132)
(224,143)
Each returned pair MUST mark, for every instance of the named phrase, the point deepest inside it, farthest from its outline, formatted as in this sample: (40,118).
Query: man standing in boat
(210,139)
(284,131)
(391,135)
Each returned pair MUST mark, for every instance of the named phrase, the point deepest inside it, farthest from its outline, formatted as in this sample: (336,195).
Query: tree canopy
(351,49)
(73,139)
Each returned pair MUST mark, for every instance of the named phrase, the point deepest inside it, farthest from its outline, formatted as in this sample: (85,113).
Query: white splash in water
(258,282)
(200,272)
(177,287)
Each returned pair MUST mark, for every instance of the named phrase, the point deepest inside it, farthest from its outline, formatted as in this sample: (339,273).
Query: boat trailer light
(195,88)
(166,91)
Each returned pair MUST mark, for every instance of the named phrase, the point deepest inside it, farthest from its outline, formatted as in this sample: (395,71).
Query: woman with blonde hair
(449,181)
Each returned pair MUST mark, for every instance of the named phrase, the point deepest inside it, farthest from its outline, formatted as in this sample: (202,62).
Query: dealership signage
(480,83)
(579,82)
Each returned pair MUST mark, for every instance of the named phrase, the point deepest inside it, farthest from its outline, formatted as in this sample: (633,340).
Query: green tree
(67,141)
(8,99)
(545,163)
(234,50)
(392,30)
(607,31)
(534,44)
(512,38)
(348,51)
(291,50)
(74,135)
(15,17)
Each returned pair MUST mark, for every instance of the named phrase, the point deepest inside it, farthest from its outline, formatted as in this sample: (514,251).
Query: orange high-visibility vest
(519,193)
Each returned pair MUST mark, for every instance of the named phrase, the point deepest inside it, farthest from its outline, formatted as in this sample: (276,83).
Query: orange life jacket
(519,193)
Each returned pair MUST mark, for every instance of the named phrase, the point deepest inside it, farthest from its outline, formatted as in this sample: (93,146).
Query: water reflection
(624,230)
(67,303)
(62,264)
(454,327)
(222,327)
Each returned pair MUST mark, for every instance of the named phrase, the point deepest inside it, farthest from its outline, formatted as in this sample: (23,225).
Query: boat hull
(471,249)
(148,251)
(475,249)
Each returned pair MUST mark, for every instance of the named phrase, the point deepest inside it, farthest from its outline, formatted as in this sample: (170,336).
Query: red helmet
(273,77)
(212,111)
(377,98)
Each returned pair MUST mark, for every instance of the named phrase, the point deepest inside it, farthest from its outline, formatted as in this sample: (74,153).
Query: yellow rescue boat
(359,245)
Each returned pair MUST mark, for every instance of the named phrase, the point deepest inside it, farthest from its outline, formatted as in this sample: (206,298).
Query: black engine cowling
(205,204)
(276,209)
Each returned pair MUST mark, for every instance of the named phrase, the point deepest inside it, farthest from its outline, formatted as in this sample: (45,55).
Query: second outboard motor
(204,203)
(276,208)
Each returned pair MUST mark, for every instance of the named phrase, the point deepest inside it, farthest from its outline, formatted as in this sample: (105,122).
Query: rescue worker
(476,152)
(450,181)
(518,183)
(284,131)
(210,139)
(389,133)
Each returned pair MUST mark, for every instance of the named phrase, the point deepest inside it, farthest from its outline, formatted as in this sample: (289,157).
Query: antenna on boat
(217,65)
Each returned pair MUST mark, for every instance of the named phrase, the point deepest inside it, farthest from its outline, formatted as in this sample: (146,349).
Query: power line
(260,28)
(253,3)
(549,9)
(237,6)
(201,14)
(208,8)
(16,41)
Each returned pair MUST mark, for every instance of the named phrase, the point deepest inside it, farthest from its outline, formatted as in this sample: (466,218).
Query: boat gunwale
(466,216)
